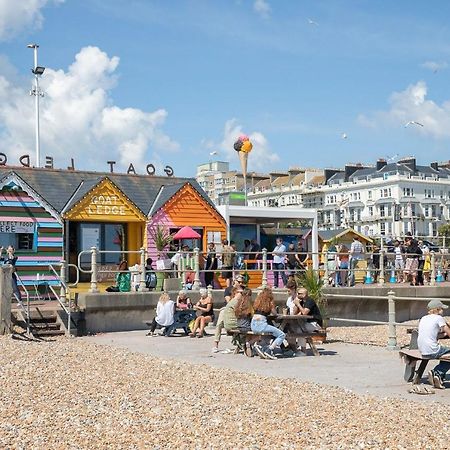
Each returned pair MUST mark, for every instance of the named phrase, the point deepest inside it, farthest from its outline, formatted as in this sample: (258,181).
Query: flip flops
(421,390)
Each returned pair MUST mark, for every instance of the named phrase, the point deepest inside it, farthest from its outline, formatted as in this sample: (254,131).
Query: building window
(429,193)
(382,211)
(408,192)
(370,211)
(386,192)
(369,195)
(382,228)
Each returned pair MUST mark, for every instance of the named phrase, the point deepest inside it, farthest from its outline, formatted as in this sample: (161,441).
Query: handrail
(77,271)
(64,285)
(27,310)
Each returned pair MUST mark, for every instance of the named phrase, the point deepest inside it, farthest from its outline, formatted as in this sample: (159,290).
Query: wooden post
(5,298)
(93,288)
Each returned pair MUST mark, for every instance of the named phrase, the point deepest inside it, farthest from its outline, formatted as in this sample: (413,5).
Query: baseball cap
(434,304)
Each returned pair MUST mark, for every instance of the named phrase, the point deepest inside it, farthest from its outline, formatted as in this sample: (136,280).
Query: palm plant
(161,237)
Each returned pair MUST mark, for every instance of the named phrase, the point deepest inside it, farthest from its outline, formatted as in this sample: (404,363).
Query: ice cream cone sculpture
(243,146)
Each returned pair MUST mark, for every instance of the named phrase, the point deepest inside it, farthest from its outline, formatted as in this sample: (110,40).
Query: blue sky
(170,81)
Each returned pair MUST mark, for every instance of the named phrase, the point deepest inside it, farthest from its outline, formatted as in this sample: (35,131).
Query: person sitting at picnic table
(243,311)
(123,279)
(204,308)
(292,290)
(431,328)
(183,301)
(164,314)
(233,296)
(306,306)
(265,306)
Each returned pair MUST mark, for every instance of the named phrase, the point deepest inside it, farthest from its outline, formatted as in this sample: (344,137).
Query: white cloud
(260,157)
(262,8)
(18,15)
(412,104)
(79,119)
(434,65)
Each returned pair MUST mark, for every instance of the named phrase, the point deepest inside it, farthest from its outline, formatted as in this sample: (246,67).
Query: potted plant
(162,239)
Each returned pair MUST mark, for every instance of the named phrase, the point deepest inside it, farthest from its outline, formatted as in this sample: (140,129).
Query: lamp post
(35,90)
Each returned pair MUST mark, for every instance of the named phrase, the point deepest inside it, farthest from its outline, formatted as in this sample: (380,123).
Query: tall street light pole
(37,71)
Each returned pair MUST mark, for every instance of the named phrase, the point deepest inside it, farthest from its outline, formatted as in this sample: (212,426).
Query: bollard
(196,285)
(93,288)
(392,337)
(433,270)
(264,268)
(210,290)
(381,279)
(142,285)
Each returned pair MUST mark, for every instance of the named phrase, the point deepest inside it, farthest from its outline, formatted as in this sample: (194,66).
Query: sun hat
(435,304)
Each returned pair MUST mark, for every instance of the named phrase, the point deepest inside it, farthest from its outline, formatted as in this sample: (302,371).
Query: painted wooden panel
(18,207)
(105,203)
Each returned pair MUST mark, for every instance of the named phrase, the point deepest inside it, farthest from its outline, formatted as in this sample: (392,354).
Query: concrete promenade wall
(107,312)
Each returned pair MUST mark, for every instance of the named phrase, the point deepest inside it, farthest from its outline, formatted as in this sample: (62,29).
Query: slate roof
(58,187)
(168,191)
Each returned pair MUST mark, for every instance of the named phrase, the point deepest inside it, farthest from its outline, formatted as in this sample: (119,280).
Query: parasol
(186,233)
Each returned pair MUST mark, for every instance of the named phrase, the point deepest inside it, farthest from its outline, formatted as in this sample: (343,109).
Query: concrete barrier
(107,312)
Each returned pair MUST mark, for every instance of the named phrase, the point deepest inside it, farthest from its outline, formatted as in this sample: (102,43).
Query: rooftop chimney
(409,162)
(381,163)
(434,165)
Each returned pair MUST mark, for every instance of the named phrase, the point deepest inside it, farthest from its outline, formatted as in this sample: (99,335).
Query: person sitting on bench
(431,328)
(205,311)
(183,301)
(265,306)
(306,306)
(244,311)
(164,314)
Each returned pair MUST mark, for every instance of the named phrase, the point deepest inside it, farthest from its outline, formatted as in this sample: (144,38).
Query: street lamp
(35,90)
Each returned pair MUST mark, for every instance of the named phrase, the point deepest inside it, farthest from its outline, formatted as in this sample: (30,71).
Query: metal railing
(189,267)
(62,296)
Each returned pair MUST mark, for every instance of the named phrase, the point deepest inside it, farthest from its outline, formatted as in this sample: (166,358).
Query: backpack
(150,280)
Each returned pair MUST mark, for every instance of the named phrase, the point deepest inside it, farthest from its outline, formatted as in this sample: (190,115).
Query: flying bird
(413,122)
(213,153)
(311,22)
(344,136)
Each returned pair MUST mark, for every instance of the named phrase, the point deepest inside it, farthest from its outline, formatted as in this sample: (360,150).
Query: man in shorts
(228,261)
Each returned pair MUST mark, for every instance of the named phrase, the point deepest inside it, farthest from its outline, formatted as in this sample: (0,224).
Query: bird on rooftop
(413,122)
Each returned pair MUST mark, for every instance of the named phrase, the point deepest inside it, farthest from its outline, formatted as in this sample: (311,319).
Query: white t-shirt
(164,313)
(281,250)
(290,304)
(429,327)
(398,254)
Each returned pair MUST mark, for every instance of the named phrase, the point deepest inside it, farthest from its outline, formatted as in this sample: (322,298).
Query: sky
(313,83)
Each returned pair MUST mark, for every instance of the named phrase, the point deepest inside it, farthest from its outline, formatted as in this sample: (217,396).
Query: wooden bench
(411,357)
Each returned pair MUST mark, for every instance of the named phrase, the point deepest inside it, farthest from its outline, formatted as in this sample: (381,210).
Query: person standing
(399,262)
(431,328)
(228,261)
(279,257)
(356,254)
(210,265)
(11,258)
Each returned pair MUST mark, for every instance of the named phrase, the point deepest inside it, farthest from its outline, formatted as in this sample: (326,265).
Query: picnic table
(290,325)
(294,327)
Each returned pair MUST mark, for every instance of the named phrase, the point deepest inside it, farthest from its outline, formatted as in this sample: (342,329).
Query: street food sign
(10,226)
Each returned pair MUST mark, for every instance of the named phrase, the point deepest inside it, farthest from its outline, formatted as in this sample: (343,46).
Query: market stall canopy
(186,233)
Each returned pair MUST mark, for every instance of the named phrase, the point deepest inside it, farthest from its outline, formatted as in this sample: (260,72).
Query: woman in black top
(205,314)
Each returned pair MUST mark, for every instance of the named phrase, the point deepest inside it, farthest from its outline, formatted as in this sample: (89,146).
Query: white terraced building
(384,199)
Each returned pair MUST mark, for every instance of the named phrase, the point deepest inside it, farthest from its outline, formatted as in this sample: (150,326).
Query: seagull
(413,122)
(344,136)
(311,22)
(391,158)
(213,153)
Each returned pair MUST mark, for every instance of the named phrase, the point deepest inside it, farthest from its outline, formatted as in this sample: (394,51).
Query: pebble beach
(71,394)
